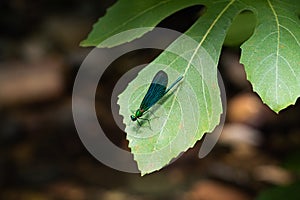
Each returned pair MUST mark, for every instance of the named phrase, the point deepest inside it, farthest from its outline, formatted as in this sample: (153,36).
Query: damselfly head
(133,118)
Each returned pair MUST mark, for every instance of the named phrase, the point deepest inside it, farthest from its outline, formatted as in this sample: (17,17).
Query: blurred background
(42,157)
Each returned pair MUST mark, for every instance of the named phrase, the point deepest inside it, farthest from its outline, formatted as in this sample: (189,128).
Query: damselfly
(156,91)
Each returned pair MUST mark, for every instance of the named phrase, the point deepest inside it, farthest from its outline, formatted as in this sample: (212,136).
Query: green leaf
(241,29)
(128,14)
(272,55)
(195,106)
(180,118)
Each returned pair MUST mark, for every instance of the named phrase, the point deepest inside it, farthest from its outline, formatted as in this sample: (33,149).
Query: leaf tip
(84,43)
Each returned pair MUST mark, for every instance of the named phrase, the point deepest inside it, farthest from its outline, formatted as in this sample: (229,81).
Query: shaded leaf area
(237,35)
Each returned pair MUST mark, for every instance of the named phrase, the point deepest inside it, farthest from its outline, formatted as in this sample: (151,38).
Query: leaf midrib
(192,57)
(277,50)
(198,47)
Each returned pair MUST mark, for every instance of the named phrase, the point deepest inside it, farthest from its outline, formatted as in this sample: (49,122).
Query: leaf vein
(206,34)
(291,34)
(277,50)
(289,66)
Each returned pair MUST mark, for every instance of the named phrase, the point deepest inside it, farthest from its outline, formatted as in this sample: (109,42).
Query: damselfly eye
(133,118)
